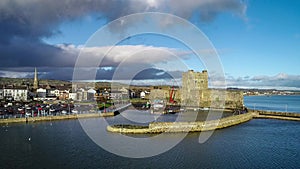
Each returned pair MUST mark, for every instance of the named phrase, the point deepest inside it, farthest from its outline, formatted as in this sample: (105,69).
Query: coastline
(170,127)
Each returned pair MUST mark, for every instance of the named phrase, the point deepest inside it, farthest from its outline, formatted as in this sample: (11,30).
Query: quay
(198,126)
(111,113)
(49,118)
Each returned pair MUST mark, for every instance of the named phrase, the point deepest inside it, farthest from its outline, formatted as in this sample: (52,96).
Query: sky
(257,41)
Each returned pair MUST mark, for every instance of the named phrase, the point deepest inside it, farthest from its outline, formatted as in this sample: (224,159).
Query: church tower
(35,81)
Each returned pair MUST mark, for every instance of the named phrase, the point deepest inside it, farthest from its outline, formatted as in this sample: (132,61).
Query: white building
(16,93)
(73,96)
(91,94)
(55,92)
(142,95)
(81,95)
(41,93)
(1,93)
(116,95)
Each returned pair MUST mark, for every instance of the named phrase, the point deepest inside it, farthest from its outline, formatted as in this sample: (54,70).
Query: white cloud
(279,81)
(129,55)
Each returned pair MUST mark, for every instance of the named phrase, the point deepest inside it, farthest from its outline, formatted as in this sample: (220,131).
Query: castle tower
(193,83)
(35,81)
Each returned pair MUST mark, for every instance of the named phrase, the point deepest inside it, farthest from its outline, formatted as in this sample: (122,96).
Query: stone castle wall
(164,94)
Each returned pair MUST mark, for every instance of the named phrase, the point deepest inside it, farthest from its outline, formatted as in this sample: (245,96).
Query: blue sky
(257,40)
(266,41)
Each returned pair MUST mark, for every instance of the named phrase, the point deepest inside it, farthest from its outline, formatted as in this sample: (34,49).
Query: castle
(195,92)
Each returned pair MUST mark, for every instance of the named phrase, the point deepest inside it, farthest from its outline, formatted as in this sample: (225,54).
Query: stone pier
(173,127)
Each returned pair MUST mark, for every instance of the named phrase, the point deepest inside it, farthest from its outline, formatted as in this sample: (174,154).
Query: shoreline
(55,118)
(159,127)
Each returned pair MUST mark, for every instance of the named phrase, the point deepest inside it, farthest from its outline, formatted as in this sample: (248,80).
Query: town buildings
(194,92)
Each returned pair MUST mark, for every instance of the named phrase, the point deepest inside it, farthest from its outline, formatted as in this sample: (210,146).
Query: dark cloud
(23,53)
(24,23)
(31,19)
(66,73)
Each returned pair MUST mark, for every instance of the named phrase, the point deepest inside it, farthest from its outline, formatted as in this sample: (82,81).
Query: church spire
(35,81)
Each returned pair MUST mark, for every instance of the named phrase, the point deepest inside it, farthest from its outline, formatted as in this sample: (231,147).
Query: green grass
(139,100)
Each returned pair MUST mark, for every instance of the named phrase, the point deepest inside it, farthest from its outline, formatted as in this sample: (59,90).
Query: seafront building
(17,93)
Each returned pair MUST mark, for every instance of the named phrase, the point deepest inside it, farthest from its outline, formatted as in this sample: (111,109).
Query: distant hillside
(23,81)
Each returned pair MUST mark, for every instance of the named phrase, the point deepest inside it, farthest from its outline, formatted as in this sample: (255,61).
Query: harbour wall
(65,117)
(172,127)
(49,118)
(276,115)
(198,126)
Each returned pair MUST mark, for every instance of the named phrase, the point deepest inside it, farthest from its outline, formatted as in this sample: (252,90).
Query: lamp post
(104,108)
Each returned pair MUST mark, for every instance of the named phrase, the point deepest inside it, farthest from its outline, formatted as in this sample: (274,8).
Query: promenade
(65,117)
(52,118)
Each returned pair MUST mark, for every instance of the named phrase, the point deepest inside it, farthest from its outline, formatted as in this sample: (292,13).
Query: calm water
(273,103)
(259,143)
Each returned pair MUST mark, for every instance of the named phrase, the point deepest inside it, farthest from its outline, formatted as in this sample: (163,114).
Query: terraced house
(17,93)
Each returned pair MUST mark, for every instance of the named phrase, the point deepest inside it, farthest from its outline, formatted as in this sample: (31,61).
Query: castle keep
(195,92)
(192,85)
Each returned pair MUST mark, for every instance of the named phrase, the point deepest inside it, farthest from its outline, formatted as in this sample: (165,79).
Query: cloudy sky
(257,41)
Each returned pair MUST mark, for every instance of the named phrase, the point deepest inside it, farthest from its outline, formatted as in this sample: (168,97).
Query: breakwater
(276,115)
(171,127)
(198,126)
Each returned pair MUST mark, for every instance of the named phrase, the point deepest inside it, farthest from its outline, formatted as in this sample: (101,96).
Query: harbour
(259,143)
(149,84)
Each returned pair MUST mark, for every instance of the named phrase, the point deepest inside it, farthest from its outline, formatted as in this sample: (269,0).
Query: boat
(158,106)
(74,111)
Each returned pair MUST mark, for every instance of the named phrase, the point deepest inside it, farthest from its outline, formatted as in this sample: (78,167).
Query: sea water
(259,143)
